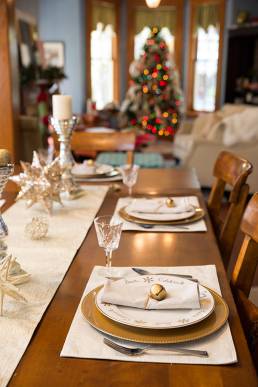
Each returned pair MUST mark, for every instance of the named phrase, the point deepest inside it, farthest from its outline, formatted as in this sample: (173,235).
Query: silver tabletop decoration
(64,130)
(37,228)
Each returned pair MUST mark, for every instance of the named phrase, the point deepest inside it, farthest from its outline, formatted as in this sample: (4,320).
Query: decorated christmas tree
(154,100)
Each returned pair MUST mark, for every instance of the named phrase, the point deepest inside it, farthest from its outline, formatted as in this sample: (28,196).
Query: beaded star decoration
(40,183)
(8,281)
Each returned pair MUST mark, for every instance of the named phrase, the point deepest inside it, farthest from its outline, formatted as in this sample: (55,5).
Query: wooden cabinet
(242,65)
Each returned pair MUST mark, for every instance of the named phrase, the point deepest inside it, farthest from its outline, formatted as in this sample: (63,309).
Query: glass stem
(130,190)
(108,258)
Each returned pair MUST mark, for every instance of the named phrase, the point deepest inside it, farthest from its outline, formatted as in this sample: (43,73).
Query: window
(102,65)
(206,69)
(207,21)
(102,45)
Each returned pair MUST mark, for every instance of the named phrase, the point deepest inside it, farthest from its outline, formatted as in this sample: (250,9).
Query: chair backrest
(98,142)
(231,170)
(243,275)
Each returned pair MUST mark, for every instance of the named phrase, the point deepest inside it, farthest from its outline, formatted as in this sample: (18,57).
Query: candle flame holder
(5,172)
(64,130)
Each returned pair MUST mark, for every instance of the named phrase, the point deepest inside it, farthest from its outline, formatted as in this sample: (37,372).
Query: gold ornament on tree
(40,183)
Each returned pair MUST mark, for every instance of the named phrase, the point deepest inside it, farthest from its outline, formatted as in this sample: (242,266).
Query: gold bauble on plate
(158,292)
(170,202)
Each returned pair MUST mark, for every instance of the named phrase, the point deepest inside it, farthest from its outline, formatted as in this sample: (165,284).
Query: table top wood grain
(42,365)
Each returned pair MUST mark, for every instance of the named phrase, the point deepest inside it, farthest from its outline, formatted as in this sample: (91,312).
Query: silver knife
(146,272)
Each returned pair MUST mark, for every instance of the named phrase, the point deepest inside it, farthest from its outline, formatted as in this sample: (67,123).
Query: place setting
(171,213)
(91,171)
(152,314)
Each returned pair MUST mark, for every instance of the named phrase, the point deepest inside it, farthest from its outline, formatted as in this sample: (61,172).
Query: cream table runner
(47,261)
(83,341)
(192,227)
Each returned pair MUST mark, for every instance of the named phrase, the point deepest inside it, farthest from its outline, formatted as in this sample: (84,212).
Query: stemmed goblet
(108,230)
(129,175)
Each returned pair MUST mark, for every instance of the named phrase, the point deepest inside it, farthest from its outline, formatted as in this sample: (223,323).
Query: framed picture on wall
(53,54)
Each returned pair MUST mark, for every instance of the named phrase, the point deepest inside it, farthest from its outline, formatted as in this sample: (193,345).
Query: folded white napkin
(158,206)
(136,295)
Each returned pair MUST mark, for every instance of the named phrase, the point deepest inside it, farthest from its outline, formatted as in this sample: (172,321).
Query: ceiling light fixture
(153,3)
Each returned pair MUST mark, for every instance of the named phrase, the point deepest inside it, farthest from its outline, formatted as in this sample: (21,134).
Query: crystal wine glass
(129,175)
(108,230)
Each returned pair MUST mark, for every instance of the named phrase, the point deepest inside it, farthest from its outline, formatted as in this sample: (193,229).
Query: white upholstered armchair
(234,128)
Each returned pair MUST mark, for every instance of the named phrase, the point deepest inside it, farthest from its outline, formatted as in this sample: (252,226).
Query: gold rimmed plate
(198,215)
(154,336)
(158,318)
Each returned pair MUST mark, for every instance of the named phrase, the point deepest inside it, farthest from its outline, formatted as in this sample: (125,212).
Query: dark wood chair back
(243,276)
(233,171)
(84,142)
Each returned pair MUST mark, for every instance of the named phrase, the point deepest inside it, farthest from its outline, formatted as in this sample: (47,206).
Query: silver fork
(150,226)
(135,351)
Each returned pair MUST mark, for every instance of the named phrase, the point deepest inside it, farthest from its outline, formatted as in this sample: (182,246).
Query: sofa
(233,128)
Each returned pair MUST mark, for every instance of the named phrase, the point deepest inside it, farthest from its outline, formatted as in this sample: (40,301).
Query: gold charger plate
(153,336)
(198,215)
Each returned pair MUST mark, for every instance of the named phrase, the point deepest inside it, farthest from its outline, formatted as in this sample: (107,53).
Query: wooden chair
(243,276)
(84,142)
(229,170)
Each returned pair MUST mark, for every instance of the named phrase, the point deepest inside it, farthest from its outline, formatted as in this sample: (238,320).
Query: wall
(28,6)
(64,20)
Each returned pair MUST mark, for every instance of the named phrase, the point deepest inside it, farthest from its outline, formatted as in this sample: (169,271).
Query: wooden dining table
(41,364)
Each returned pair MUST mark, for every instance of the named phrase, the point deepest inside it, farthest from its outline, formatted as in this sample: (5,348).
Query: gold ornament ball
(90,163)
(158,292)
(5,157)
(170,202)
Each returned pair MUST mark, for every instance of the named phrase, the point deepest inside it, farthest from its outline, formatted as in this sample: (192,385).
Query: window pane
(102,65)
(206,68)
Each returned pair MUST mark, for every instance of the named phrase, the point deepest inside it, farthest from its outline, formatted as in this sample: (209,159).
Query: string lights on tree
(154,100)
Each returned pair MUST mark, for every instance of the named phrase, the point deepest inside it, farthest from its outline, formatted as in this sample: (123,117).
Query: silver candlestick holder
(5,172)
(64,131)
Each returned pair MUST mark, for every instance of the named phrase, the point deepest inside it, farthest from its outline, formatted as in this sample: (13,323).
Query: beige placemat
(199,226)
(83,341)
(47,261)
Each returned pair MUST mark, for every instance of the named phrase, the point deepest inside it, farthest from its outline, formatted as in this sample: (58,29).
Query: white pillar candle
(62,107)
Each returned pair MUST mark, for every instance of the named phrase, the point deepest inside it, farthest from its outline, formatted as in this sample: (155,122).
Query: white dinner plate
(158,319)
(83,170)
(162,217)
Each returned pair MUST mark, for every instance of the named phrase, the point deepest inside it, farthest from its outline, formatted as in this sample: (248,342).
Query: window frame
(193,51)
(131,5)
(89,29)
